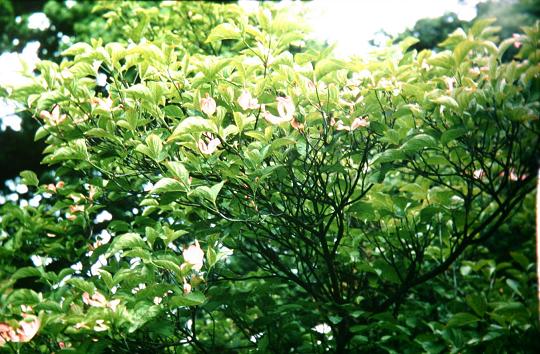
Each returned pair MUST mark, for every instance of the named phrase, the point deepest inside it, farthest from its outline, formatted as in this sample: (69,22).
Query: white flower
(187,288)
(98,300)
(100,326)
(478,174)
(105,104)
(359,122)
(209,146)
(322,328)
(450,83)
(285,107)
(54,117)
(194,256)
(246,101)
(208,105)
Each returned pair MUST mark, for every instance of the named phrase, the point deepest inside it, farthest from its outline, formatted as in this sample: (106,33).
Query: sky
(350,24)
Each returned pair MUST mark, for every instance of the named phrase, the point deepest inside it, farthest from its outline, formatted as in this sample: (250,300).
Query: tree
(67,25)
(432,31)
(345,189)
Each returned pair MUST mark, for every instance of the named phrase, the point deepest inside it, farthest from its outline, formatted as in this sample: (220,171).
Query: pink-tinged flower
(272,119)
(194,256)
(296,125)
(80,325)
(341,126)
(425,66)
(478,174)
(104,103)
(208,105)
(450,82)
(359,122)
(356,123)
(474,71)
(246,101)
(7,334)
(285,107)
(29,327)
(76,208)
(187,288)
(513,176)
(209,146)
(54,117)
(113,304)
(98,300)
(26,308)
(100,326)
(91,192)
(517,37)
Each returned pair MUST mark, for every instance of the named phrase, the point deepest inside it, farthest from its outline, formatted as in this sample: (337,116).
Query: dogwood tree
(259,198)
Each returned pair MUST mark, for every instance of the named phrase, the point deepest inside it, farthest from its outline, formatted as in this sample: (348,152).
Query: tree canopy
(220,186)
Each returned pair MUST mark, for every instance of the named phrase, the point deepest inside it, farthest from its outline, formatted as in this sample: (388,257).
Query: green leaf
(480,25)
(514,285)
(520,259)
(26,272)
(139,91)
(208,193)
(192,125)
(418,143)
(82,284)
(125,241)
(29,178)
(173,111)
(77,48)
(107,278)
(477,303)
(223,31)
(279,142)
(452,134)
(169,265)
(407,43)
(191,299)
(389,155)
(211,257)
(462,319)
(178,170)
(462,49)
(443,59)
(167,184)
(155,145)
(41,133)
(82,69)
(446,101)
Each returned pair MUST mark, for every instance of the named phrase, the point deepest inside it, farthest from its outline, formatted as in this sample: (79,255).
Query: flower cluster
(208,105)
(209,144)
(26,330)
(54,117)
(194,256)
(356,123)
(98,300)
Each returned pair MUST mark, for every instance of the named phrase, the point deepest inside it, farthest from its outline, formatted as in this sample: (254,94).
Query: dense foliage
(269,201)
